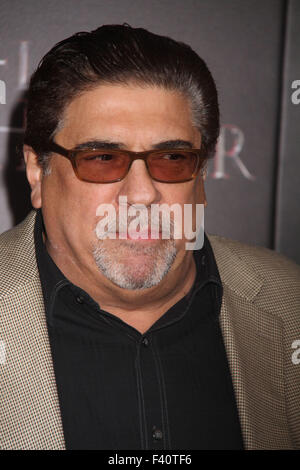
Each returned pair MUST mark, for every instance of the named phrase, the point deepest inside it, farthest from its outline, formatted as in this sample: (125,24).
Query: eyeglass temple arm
(54,147)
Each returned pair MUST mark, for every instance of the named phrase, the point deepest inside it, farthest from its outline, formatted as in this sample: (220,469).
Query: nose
(138,185)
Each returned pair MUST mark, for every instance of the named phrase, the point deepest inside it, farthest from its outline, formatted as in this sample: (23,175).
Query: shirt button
(157,434)
(80,299)
(145,341)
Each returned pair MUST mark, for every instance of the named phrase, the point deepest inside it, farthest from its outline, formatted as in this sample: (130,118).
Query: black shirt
(168,388)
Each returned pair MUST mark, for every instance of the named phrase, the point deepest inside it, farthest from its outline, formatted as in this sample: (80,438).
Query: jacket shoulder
(17,259)
(262,259)
(276,277)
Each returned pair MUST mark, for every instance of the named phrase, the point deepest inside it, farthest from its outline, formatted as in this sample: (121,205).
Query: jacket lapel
(30,408)
(253,341)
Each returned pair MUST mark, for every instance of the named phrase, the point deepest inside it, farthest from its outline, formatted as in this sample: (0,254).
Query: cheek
(190,194)
(185,193)
(198,190)
(70,205)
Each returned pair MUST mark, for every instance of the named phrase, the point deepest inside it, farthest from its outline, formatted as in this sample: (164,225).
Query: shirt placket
(150,383)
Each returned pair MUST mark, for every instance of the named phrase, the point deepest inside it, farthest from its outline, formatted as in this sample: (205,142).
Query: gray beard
(157,261)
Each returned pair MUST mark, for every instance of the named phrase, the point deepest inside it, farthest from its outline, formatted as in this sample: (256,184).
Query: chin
(140,268)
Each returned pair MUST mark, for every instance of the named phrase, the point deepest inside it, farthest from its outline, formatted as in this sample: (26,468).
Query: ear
(34,174)
(204,178)
(204,198)
(201,196)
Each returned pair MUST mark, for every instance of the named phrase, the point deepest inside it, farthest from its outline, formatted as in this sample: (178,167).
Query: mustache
(141,224)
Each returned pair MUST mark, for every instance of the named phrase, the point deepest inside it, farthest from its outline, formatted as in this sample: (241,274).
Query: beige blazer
(260,321)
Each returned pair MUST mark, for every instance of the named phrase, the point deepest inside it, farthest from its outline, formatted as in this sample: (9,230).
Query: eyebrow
(98,144)
(173,144)
(106,144)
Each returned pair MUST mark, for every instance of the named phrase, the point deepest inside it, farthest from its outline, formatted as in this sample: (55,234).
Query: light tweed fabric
(260,320)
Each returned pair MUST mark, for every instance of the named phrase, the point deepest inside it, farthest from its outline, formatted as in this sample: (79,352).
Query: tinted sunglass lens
(172,166)
(111,166)
(102,167)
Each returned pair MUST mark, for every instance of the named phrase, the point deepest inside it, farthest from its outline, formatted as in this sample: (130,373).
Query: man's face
(137,119)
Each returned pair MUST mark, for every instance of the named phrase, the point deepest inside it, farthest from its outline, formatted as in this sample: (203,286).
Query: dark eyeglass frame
(71,154)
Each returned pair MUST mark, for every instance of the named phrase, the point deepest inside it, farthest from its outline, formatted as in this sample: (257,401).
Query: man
(136,343)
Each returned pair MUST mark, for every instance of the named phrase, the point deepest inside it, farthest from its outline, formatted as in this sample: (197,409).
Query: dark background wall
(253,50)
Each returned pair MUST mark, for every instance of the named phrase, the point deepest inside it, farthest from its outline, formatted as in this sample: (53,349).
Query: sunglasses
(109,166)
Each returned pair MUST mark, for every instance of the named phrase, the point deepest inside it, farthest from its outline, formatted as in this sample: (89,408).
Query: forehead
(129,114)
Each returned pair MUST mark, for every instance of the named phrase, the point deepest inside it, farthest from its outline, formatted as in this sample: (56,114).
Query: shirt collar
(52,279)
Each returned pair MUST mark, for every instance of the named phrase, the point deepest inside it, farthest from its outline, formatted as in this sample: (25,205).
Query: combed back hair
(117,54)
